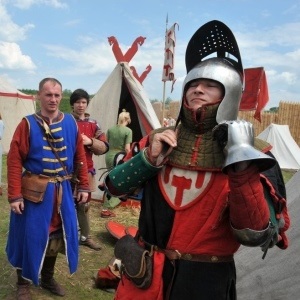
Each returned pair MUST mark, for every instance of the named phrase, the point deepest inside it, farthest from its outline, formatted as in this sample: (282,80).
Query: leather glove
(220,134)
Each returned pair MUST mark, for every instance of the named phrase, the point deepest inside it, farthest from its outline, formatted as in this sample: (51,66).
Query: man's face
(50,96)
(202,92)
(79,107)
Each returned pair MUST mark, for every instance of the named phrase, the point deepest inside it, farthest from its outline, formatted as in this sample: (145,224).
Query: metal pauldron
(252,238)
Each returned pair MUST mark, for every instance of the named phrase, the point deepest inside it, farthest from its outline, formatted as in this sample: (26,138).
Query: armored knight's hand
(238,146)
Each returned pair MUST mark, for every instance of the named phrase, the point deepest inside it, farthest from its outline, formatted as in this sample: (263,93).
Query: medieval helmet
(215,38)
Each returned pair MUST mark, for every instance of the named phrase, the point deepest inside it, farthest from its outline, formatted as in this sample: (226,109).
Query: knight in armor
(206,182)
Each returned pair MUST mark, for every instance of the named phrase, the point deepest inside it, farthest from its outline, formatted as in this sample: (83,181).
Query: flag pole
(164,87)
(163,104)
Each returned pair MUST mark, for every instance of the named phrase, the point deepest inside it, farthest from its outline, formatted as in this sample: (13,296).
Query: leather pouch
(33,186)
(136,262)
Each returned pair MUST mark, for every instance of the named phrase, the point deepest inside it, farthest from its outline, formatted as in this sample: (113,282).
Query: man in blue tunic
(46,147)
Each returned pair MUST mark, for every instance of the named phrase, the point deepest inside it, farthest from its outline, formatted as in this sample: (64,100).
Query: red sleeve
(100,135)
(80,157)
(248,207)
(18,151)
(283,214)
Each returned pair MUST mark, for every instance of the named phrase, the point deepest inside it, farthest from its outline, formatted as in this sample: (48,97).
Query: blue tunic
(29,232)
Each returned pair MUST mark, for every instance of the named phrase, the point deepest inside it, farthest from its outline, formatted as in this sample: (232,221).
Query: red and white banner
(168,69)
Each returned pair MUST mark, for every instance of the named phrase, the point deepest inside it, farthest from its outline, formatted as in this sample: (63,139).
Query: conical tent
(14,105)
(285,149)
(121,91)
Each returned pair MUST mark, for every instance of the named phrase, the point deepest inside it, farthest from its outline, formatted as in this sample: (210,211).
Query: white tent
(278,275)
(13,106)
(121,91)
(285,149)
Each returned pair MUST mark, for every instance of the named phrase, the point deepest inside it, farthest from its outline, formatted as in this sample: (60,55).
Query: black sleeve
(275,177)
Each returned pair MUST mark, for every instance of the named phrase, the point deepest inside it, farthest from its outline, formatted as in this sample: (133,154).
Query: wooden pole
(163,104)
(164,86)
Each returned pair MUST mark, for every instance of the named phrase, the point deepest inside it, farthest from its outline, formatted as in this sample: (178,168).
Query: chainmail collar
(196,149)
(200,121)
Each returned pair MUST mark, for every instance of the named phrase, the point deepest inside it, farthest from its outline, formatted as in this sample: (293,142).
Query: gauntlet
(238,145)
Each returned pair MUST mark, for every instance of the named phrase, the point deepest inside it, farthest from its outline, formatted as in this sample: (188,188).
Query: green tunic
(118,136)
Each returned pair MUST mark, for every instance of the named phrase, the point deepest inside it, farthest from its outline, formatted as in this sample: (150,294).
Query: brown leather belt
(175,254)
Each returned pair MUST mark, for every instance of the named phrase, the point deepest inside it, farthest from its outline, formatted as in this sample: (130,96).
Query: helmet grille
(213,37)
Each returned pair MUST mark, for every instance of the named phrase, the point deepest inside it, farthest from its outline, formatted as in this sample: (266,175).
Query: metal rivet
(214,259)
(188,256)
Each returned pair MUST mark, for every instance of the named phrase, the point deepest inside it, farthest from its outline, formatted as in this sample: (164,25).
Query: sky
(68,40)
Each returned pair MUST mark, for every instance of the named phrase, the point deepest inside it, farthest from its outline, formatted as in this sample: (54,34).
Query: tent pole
(164,89)
(163,104)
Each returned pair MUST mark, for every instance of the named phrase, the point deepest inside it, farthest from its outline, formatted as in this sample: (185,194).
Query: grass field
(81,284)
